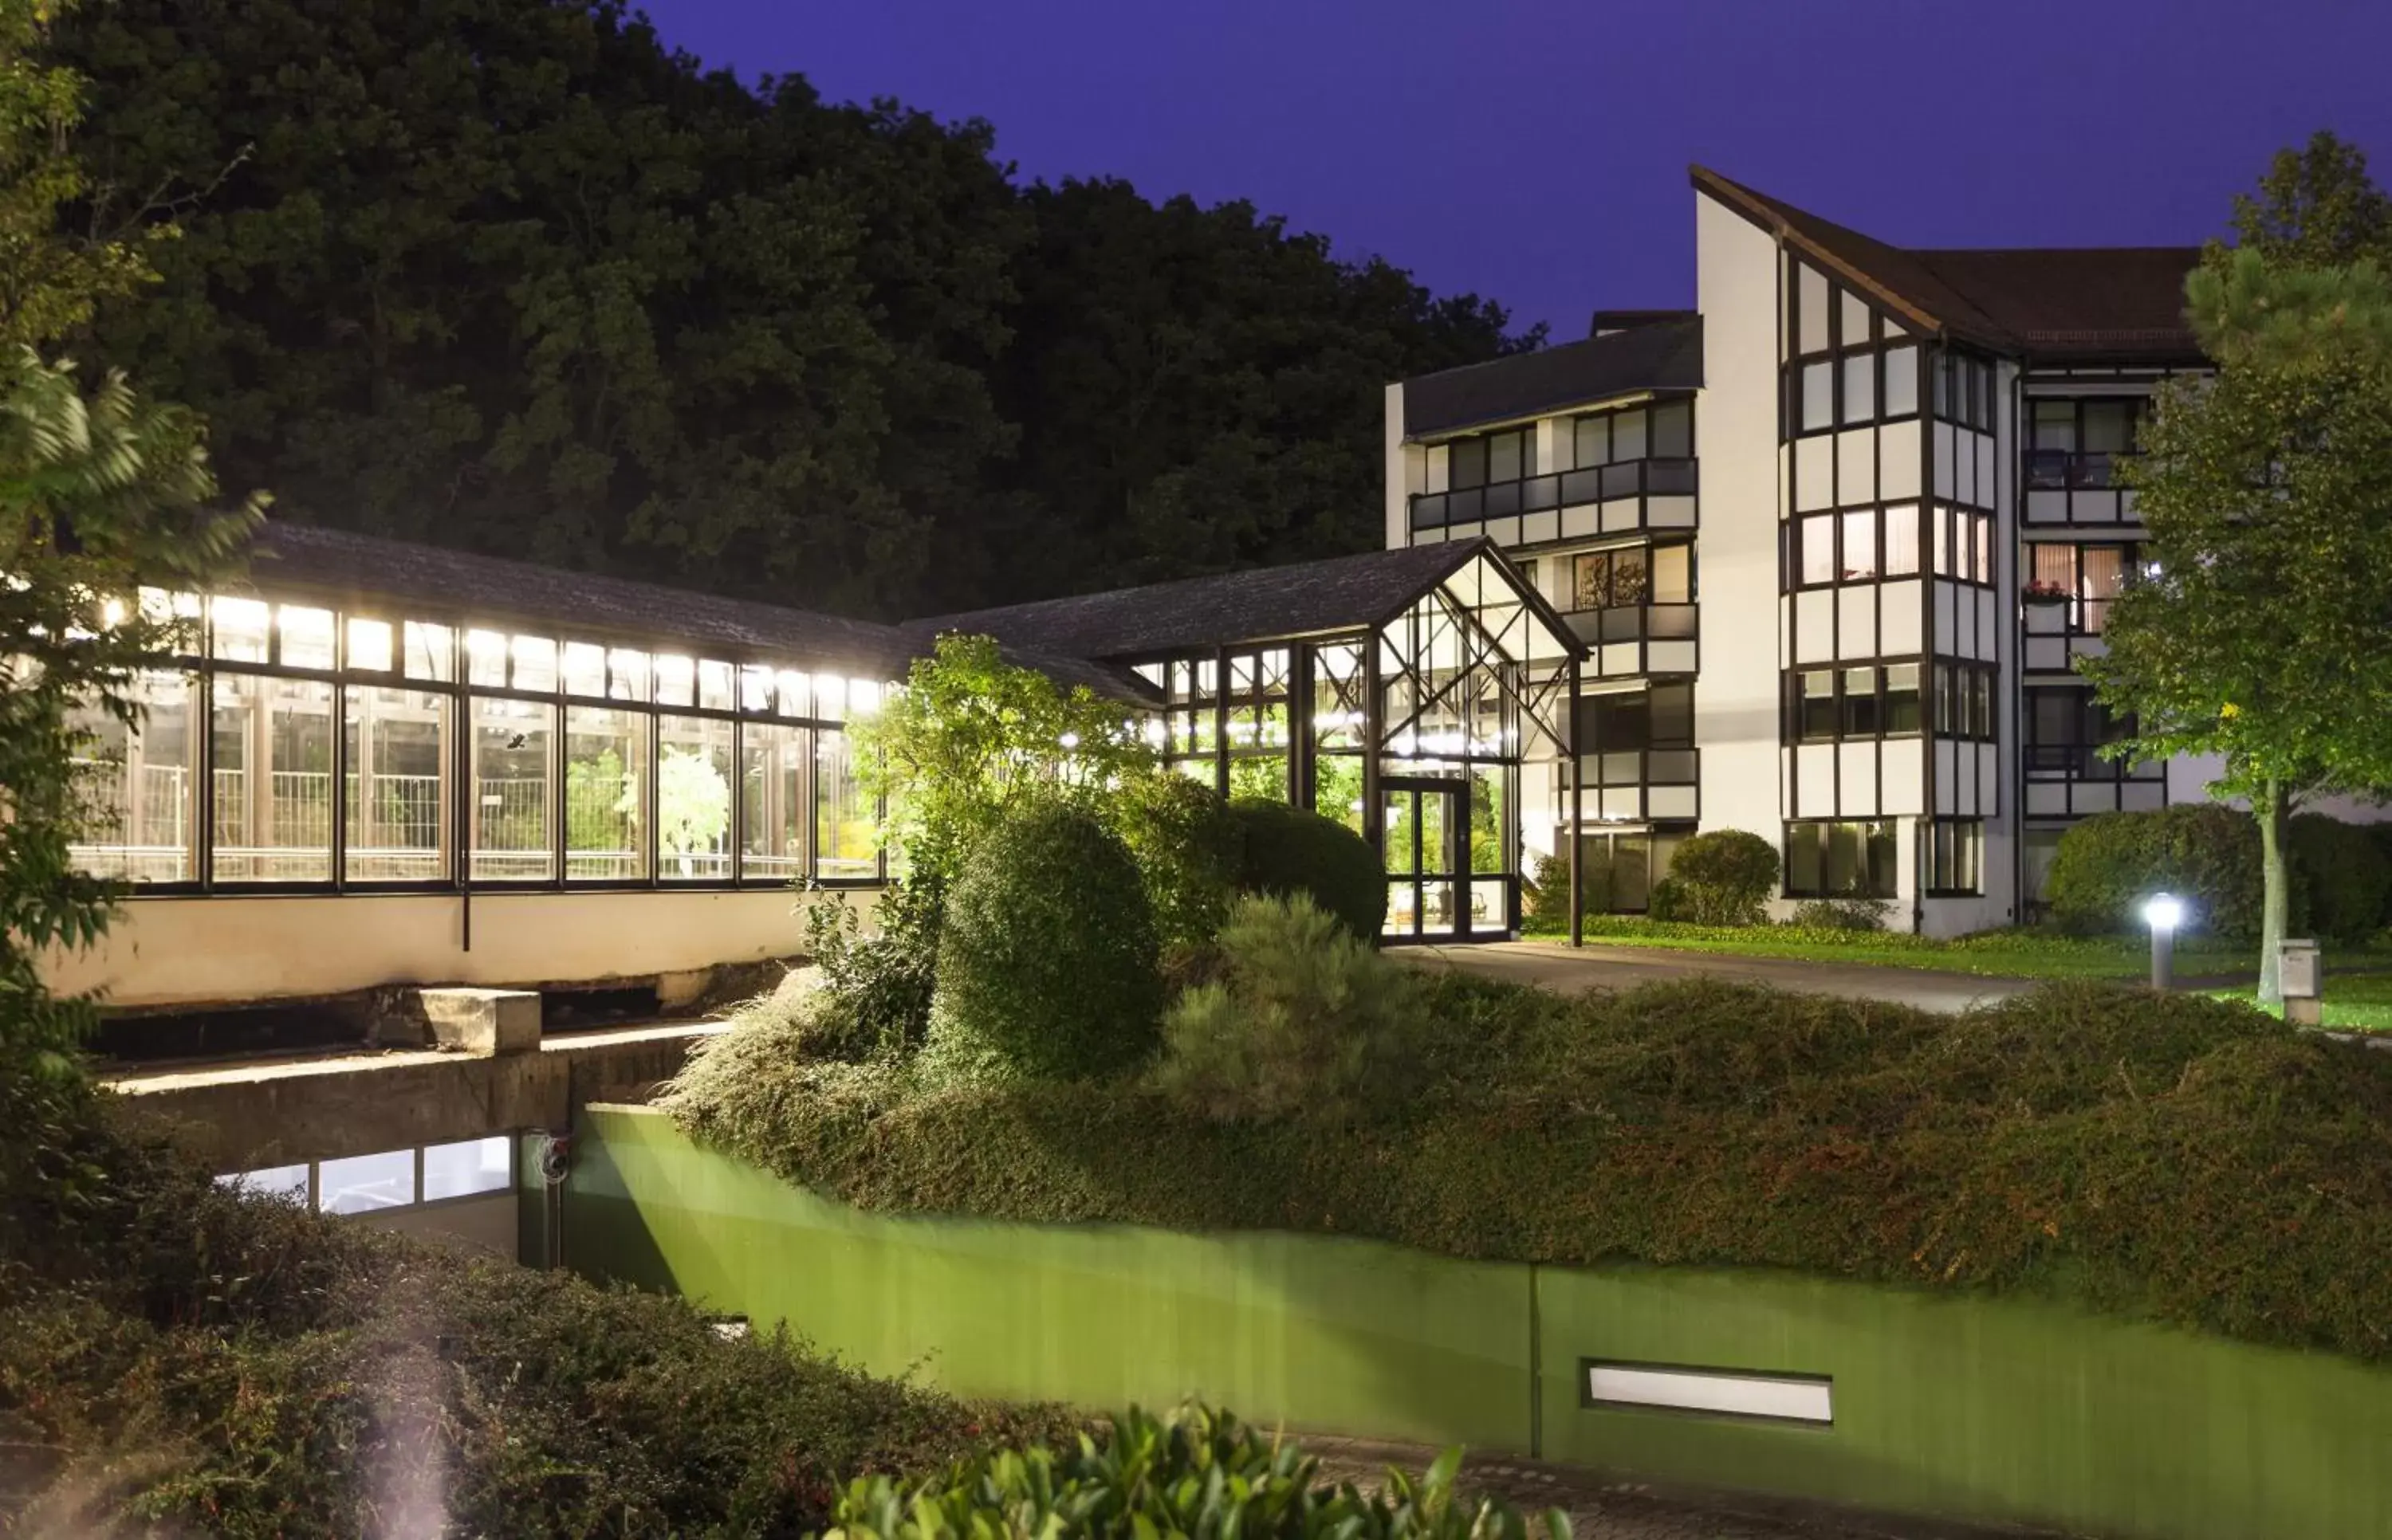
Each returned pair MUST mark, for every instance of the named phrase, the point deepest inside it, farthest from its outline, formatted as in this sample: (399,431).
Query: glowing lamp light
(2162,912)
(1069,739)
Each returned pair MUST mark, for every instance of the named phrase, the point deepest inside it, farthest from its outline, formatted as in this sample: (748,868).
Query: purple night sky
(1535,150)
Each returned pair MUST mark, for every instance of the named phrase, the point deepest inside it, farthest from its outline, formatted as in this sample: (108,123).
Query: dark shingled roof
(2061,305)
(1268,603)
(1666,356)
(369,573)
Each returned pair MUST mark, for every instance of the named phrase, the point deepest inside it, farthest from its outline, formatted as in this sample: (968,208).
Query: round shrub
(1669,902)
(1728,875)
(1186,843)
(2205,854)
(1046,962)
(1285,850)
(2340,871)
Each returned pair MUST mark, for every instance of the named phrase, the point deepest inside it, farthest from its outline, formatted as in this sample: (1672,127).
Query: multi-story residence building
(1834,539)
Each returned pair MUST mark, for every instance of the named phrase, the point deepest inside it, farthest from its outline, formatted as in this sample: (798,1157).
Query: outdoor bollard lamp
(2162,912)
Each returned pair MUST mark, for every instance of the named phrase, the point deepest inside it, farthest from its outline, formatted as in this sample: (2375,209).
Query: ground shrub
(1285,850)
(1842,914)
(175,1358)
(1305,1017)
(2203,853)
(872,993)
(1188,846)
(1670,902)
(1194,1471)
(2342,876)
(1047,962)
(2165,1157)
(1728,876)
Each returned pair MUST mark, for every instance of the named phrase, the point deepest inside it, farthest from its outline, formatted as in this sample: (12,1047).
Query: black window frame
(1851,721)
(1875,835)
(1952,866)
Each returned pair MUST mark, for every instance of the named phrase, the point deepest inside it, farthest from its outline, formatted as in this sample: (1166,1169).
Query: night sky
(1535,150)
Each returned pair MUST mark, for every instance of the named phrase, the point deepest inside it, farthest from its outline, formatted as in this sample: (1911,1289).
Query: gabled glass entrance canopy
(1396,693)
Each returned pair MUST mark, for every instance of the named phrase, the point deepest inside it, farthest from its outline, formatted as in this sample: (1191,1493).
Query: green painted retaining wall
(1955,1406)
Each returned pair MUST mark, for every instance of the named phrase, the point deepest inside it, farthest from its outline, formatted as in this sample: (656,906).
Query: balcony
(1553,491)
(1633,622)
(1638,786)
(2072,470)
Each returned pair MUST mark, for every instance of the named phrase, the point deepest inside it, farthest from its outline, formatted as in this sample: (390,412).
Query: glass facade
(495,756)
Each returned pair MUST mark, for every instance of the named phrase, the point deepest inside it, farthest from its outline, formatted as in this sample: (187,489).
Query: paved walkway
(1569,970)
(1599,1509)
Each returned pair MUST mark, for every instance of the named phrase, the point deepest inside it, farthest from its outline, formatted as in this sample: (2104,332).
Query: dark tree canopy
(513,276)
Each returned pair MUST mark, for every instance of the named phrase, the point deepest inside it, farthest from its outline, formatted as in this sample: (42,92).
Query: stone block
(482,1022)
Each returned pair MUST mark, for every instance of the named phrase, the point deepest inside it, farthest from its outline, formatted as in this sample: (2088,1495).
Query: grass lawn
(2363,1001)
(1996,953)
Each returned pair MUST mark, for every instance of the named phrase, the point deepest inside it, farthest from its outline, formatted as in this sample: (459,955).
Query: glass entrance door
(1425,835)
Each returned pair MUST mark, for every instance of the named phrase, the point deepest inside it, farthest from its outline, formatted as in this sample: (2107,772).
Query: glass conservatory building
(1398,693)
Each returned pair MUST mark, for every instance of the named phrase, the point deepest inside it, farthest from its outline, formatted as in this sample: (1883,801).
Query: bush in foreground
(2165,1156)
(1188,846)
(1194,1472)
(1286,851)
(1727,876)
(178,1359)
(1305,1017)
(1048,961)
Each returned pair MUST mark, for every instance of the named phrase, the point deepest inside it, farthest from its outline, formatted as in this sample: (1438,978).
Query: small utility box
(2298,973)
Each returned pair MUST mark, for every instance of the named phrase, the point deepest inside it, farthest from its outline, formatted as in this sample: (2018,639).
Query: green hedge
(2180,1159)
(1286,851)
(2203,853)
(2341,875)
(1047,957)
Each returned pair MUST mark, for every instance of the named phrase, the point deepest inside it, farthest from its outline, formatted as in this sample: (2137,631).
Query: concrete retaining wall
(1958,1406)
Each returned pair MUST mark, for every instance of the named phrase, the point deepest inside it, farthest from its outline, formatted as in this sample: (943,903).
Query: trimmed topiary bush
(1306,1018)
(1286,849)
(1727,875)
(2340,872)
(1188,846)
(1048,960)
(2203,852)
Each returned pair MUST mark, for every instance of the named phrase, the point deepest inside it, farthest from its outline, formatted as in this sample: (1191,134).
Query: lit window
(796,693)
(397,817)
(862,697)
(714,685)
(606,777)
(369,646)
(431,651)
(1860,545)
(535,659)
(272,779)
(140,785)
(1818,537)
(239,626)
(773,812)
(626,675)
(362,1184)
(847,838)
(1902,541)
(755,689)
(694,798)
(485,658)
(585,669)
(676,679)
(512,791)
(468,1167)
(307,637)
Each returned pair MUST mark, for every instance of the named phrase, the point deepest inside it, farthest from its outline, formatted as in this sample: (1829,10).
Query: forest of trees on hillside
(513,276)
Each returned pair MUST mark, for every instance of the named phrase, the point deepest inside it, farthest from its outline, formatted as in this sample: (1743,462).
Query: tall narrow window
(1860,545)
(1818,395)
(513,795)
(773,804)
(1862,718)
(398,814)
(1627,435)
(693,798)
(139,787)
(1901,698)
(1860,387)
(1673,430)
(1816,707)
(845,839)
(1902,541)
(1818,543)
(2104,574)
(1901,382)
(605,794)
(272,779)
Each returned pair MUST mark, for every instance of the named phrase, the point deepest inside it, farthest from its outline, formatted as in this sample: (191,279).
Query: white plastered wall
(1737,694)
(1396,478)
(165,951)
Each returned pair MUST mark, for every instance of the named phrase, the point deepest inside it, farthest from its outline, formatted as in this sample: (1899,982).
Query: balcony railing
(2072,470)
(1640,766)
(2085,762)
(1559,489)
(1634,623)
